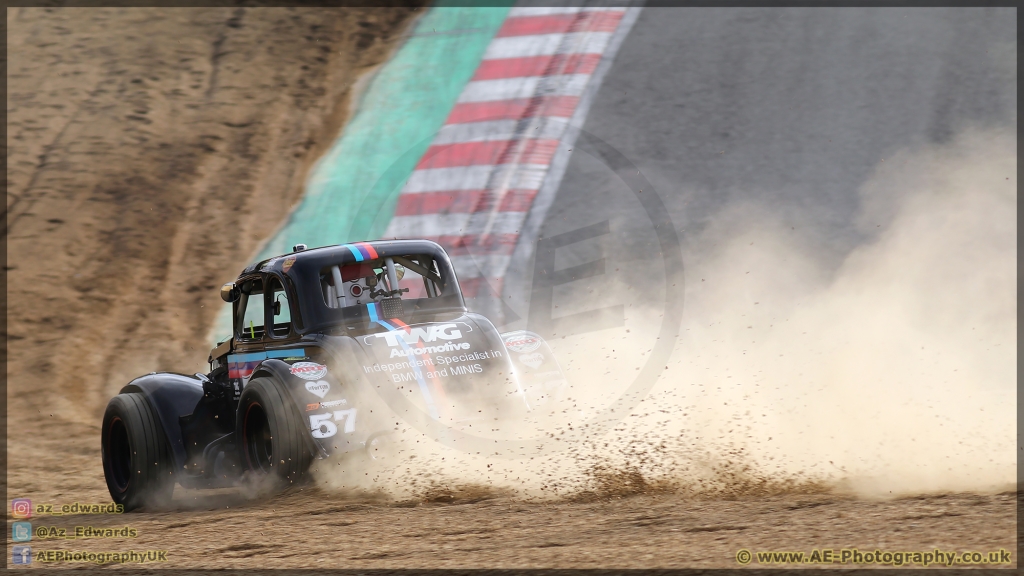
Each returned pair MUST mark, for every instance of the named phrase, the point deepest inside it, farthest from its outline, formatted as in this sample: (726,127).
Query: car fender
(304,392)
(171,396)
(535,365)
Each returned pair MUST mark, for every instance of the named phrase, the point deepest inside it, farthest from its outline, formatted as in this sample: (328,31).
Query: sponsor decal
(21,555)
(427,333)
(309,370)
(391,325)
(522,341)
(287,263)
(533,360)
(323,425)
(330,404)
(468,357)
(319,388)
(21,508)
(446,347)
(444,366)
(467,369)
(21,531)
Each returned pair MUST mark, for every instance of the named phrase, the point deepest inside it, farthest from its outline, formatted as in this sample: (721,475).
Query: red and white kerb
(474,186)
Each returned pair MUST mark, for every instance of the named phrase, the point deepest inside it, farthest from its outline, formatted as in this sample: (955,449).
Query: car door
(282,340)
(250,320)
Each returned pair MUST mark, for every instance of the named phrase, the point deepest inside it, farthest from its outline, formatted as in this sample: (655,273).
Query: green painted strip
(352,191)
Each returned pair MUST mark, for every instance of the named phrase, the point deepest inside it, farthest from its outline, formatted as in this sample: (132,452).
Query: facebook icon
(21,555)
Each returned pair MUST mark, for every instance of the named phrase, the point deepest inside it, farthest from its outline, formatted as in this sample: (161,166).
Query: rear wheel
(272,433)
(136,455)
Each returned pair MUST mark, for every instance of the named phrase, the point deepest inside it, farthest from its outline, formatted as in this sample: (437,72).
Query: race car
(331,348)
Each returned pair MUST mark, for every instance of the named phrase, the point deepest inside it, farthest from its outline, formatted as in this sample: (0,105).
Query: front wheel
(271,433)
(136,455)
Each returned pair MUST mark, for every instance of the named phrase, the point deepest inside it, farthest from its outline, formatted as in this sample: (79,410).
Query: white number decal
(350,419)
(321,426)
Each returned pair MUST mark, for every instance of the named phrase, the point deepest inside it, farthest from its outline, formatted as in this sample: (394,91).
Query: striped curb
(477,182)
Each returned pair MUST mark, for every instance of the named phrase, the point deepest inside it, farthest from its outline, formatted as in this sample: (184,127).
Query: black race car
(331,347)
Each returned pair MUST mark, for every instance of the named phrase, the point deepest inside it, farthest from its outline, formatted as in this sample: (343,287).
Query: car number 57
(322,426)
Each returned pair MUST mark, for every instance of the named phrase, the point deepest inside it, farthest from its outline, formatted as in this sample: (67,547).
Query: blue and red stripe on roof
(362,251)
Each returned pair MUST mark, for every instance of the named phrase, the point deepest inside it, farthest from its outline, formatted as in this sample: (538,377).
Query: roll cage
(344,286)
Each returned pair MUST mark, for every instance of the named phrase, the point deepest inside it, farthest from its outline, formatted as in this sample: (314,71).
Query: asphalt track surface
(793,108)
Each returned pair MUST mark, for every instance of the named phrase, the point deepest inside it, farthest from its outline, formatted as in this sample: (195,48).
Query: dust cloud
(891,373)
(896,372)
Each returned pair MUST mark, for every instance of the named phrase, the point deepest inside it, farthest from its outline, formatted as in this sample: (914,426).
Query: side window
(280,311)
(251,311)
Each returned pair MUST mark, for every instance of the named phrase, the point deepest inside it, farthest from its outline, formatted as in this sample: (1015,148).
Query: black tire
(136,456)
(272,433)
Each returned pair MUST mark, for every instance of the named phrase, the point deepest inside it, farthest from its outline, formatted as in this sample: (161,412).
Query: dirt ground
(150,151)
(317,530)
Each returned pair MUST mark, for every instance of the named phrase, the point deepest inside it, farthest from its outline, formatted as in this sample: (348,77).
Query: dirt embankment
(150,151)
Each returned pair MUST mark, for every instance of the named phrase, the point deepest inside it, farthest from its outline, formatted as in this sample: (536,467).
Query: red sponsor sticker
(309,370)
(522,341)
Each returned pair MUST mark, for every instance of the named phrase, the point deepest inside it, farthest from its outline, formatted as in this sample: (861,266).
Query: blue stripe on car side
(264,355)
(286,353)
(371,308)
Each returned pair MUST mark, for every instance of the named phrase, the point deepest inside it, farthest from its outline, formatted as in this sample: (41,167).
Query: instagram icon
(21,508)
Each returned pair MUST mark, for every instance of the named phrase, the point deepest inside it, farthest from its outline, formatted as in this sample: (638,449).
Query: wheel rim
(119,455)
(259,445)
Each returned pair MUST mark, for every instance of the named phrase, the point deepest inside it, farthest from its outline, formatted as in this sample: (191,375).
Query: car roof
(358,250)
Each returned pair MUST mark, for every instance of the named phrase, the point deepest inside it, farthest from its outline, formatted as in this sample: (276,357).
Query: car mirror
(229,292)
